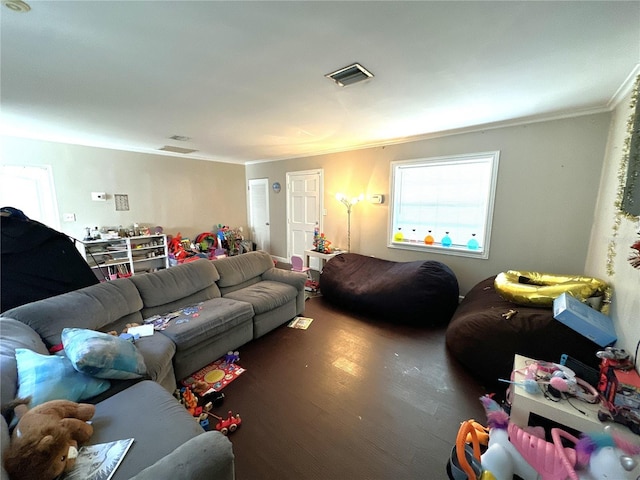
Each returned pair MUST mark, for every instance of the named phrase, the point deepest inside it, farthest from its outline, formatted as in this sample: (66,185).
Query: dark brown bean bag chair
(37,261)
(420,292)
(485,342)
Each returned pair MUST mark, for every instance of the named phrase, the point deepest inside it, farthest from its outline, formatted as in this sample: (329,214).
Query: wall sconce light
(342,198)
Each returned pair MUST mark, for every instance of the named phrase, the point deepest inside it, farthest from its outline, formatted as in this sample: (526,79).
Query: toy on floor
(206,393)
(190,401)
(231,357)
(199,387)
(44,443)
(229,424)
(513,450)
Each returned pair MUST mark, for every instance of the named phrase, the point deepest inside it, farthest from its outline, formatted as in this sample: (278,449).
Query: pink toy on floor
(513,450)
(550,460)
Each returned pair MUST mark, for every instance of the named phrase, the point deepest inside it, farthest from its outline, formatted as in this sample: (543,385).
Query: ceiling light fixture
(17,6)
(349,75)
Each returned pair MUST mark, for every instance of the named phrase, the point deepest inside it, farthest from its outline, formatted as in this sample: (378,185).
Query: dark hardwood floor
(349,398)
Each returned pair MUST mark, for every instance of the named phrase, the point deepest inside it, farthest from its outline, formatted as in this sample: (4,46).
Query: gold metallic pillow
(540,289)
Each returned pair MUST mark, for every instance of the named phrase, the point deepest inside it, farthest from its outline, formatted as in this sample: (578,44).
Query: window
(444,204)
(30,189)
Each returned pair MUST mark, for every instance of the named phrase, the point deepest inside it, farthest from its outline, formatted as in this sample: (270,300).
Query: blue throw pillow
(52,377)
(102,355)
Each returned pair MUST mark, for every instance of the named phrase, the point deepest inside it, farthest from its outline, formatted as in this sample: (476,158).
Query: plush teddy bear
(45,441)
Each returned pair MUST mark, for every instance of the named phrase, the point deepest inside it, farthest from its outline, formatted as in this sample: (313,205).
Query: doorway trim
(320,207)
(262,183)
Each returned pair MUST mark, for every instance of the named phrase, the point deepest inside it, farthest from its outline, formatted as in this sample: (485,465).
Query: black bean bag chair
(485,341)
(37,261)
(420,292)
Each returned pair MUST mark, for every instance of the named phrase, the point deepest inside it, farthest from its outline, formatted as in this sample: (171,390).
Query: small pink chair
(297,265)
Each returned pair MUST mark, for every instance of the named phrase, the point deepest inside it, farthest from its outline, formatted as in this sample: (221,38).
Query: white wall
(625,308)
(181,195)
(547,188)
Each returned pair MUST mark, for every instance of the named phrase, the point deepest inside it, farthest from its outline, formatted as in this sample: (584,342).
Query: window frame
(493,159)
(41,176)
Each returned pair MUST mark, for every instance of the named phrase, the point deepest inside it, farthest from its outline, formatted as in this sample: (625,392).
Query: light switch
(69,217)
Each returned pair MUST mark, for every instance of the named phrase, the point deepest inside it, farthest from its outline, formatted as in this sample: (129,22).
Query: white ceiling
(245,80)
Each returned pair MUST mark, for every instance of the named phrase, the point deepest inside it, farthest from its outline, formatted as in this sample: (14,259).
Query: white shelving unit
(123,257)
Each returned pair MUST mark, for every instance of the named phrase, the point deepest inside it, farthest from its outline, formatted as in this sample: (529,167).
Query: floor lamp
(341,197)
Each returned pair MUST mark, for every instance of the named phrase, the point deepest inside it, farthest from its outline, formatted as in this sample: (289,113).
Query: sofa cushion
(265,296)
(90,307)
(157,351)
(242,268)
(13,335)
(102,355)
(193,282)
(213,318)
(213,454)
(52,377)
(149,414)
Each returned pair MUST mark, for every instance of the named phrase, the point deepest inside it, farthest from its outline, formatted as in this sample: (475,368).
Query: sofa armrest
(295,279)
(208,455)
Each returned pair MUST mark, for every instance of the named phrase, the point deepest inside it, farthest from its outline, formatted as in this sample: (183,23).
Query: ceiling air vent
(349,75)
(169,148)
(180,138)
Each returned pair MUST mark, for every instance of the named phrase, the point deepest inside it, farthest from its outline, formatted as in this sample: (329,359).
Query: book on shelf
(99,462)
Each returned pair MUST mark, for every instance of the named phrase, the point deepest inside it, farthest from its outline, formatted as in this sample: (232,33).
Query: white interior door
(259,213)
(304,207)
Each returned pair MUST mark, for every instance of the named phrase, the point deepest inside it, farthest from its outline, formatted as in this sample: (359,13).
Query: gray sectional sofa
(231,301)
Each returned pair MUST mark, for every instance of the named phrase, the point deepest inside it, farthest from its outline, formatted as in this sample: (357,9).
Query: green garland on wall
(622,181)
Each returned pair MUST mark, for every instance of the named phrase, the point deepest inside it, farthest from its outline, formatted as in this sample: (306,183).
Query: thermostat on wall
(377,198)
